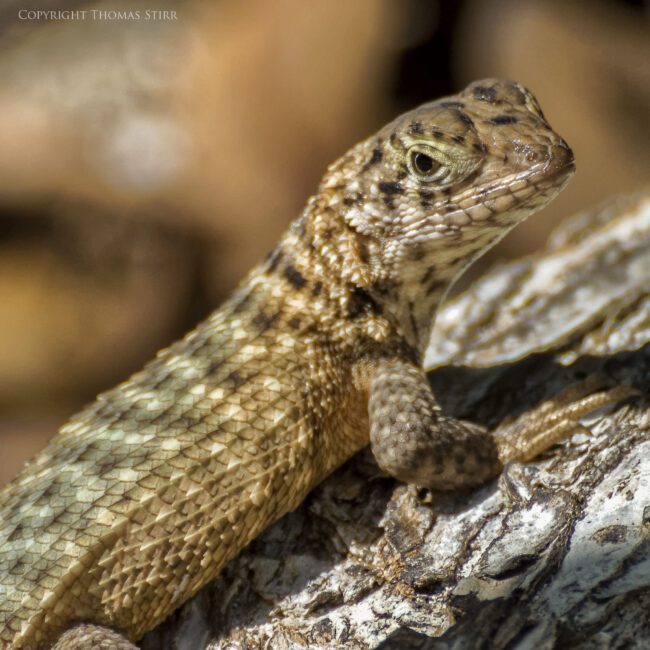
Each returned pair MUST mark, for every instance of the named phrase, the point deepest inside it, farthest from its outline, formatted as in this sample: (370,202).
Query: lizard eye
(423,165)
(444,164)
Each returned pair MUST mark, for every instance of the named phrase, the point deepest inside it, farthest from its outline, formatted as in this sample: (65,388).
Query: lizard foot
(556,419)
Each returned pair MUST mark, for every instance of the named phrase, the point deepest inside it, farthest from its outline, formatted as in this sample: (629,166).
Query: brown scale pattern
(145,495)
(159,483)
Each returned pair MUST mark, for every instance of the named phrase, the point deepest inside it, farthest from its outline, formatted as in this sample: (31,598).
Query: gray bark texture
(553,554)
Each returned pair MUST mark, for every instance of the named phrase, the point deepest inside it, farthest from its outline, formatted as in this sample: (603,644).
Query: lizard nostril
(560,156)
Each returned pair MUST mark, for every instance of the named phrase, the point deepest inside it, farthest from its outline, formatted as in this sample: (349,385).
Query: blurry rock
(226,116)
(85,299)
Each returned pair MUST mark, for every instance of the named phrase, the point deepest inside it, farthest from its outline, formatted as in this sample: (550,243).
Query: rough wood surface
(554,554)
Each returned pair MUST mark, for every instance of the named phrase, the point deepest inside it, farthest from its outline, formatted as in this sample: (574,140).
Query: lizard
(146,494)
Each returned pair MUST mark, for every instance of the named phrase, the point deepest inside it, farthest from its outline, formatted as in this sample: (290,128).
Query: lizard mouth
(546,179)
(502,200)
(557,170)
(512,199)
(553,177)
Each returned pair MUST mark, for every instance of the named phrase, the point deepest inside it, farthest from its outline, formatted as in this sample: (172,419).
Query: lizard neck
(411,297)
(325,263)
(334,269)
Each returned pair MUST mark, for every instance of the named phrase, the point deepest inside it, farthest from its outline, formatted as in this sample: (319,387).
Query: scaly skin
(144,496)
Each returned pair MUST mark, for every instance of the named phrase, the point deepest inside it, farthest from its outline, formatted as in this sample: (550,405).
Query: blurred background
(147,161)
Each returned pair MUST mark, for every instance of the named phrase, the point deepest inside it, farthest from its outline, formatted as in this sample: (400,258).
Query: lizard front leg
(414,442)
(92,637)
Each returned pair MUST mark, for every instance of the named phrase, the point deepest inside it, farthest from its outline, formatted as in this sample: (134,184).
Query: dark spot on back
(213,368)
(464,118)
(391,188)
(428,274)
(502,119)
(318,287)
(236,378)
(48,492)
(460,139)
(430,281)
(361,302)
(264,321)
(409,353)
(452,104)
(294,323)
(17,533)
(425,198)
(355,199)
(434,286)
(402,173)
(294,277)
(479,146)
(376,157)
(485,94)
(437,134)
(240,305)
(416,127)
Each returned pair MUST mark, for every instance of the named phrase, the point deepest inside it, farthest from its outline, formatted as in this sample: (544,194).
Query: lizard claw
(556,419)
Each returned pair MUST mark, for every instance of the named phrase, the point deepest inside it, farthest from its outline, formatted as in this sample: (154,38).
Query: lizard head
(440,185)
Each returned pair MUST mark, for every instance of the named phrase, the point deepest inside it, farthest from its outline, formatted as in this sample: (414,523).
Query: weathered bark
(555,553)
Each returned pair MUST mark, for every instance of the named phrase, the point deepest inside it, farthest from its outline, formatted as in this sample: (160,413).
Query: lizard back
(148,492)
